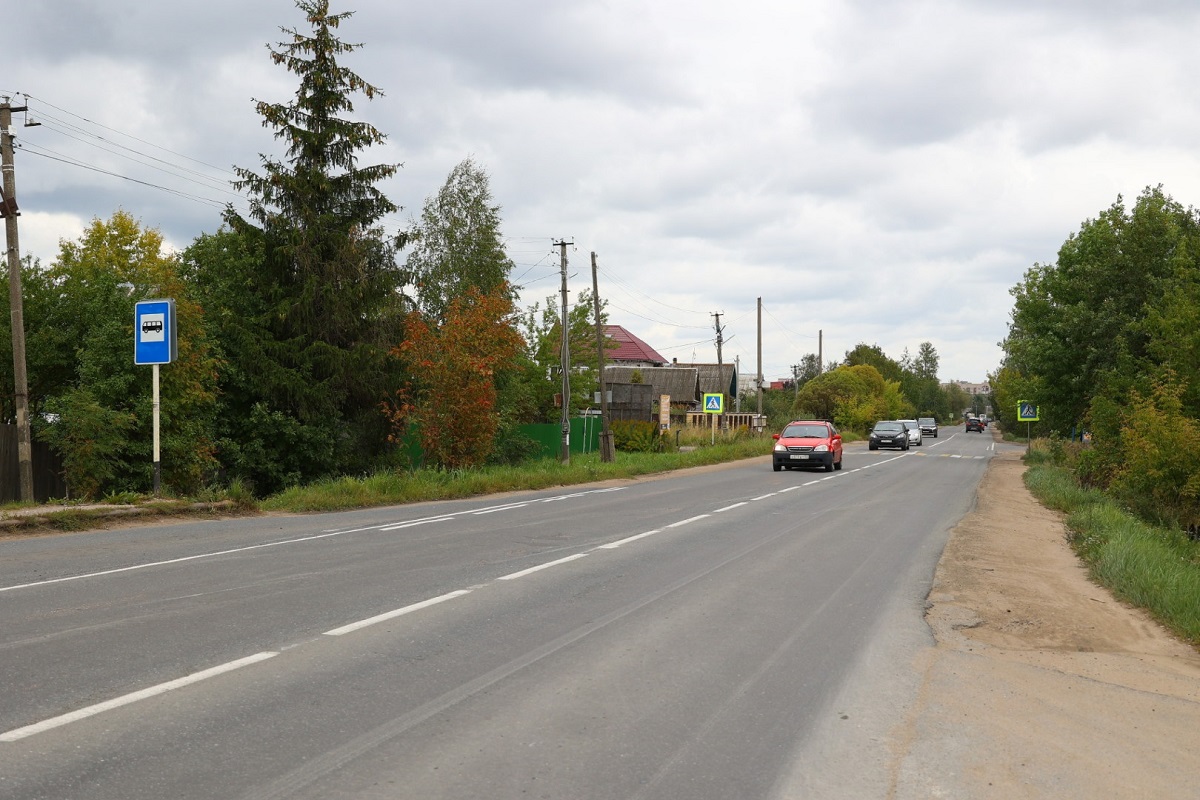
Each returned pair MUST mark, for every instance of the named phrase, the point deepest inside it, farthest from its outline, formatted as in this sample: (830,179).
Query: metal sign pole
(157,459)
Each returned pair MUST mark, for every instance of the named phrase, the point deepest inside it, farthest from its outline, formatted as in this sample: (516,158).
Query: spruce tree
(312,316)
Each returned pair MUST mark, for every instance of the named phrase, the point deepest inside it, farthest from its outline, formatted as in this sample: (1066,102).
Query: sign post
(155,343)
(1028,413)
(714,403)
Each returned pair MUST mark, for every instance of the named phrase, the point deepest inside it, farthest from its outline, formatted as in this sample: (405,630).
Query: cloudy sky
(876,170)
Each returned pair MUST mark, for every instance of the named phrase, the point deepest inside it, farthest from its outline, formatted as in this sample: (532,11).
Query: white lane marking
(166,562)
(812,483)
(760,497)
(789,489)
(493,510)
(415,522)
(626,540)
(117,702)
(540,567)
(388,526)
(686,521)
(730,508)
(362,623)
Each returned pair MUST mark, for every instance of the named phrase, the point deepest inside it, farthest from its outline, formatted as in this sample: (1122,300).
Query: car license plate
(801,457)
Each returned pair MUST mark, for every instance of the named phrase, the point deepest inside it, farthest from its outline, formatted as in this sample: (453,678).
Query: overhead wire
(223,182)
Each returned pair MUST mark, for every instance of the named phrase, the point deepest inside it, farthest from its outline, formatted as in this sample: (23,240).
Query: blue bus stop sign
(154,336)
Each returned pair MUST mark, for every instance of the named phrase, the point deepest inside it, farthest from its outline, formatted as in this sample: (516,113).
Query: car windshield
(806,432)
(888,427)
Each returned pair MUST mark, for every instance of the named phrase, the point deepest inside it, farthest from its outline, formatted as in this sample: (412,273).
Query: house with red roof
(630,351)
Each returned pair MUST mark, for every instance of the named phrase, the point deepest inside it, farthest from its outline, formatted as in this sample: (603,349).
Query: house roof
(630,347)
(682,383)
(716,377)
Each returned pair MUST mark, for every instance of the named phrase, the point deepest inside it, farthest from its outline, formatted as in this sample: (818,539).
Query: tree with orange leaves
(451,399)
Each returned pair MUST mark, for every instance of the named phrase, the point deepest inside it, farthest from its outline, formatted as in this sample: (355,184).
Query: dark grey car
(888,433)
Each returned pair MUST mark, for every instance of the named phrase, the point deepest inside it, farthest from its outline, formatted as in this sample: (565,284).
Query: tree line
(308,347)
(1106,341)
(866,386)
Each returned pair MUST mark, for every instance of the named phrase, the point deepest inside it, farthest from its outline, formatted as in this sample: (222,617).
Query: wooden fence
(47,469)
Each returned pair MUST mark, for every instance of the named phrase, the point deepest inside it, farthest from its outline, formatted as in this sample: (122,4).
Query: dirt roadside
(1042,684)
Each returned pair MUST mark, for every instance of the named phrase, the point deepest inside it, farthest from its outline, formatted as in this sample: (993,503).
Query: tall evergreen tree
(309,280)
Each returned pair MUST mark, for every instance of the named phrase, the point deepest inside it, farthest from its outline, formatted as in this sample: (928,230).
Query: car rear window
(888,427)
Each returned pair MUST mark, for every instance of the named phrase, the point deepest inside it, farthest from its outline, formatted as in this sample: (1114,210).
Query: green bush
(633,436)
(91,440)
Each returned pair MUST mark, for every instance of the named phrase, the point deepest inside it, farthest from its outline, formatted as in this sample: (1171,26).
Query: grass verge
(394,487)
(1155,568)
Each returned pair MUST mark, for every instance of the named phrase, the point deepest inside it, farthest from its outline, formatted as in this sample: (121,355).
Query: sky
(876,171)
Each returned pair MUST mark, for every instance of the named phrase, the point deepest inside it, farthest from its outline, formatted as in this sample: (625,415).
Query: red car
(808,443)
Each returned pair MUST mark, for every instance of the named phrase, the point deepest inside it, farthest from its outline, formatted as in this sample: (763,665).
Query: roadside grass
(1149,566)
(398,487)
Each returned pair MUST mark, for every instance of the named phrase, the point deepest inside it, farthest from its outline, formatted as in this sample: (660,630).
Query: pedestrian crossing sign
(714,403)
(1027,412)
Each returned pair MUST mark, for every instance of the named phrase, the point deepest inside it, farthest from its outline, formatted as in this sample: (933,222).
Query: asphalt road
(721,633)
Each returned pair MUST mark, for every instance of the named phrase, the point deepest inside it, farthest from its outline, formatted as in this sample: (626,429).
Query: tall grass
(397,487)
(1152,567)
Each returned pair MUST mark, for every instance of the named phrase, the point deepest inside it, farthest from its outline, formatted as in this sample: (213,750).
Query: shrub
(633,436)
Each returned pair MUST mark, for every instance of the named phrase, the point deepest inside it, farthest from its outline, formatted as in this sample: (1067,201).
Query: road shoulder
(1041,683)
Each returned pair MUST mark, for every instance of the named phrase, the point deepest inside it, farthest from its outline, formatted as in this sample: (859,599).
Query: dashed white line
(362,623)
(117,702)
(688,520)
(626,540)
(415,522)
(730,508)
(540,567)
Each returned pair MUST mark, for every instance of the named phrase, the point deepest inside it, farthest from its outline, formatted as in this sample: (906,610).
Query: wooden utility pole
(820,351)
(564,453)
(758,376)
(607,451)
(8,210)
(719,419)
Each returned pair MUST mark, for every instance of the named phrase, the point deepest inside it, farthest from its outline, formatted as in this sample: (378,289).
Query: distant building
(971,388)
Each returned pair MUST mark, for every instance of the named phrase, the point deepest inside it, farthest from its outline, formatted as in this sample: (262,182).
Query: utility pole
(8,210)
(758,380)
(564,453)
(737,397)
(720,371)
(607,451)
(820,351)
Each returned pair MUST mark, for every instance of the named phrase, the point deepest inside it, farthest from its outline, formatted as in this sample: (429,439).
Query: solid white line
(761,497)
(389,526)
(547,565)
(789,489)
(683,522)
(618,543)
(730,508)
(116,702)
(812,483)
(353,626)
(164,563)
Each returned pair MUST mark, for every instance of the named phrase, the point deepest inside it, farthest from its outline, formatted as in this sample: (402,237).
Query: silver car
(914,431)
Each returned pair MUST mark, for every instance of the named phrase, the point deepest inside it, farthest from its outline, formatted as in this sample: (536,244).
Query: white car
(914,431)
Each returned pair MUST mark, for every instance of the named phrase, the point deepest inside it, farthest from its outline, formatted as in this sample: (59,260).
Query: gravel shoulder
(1041,683)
